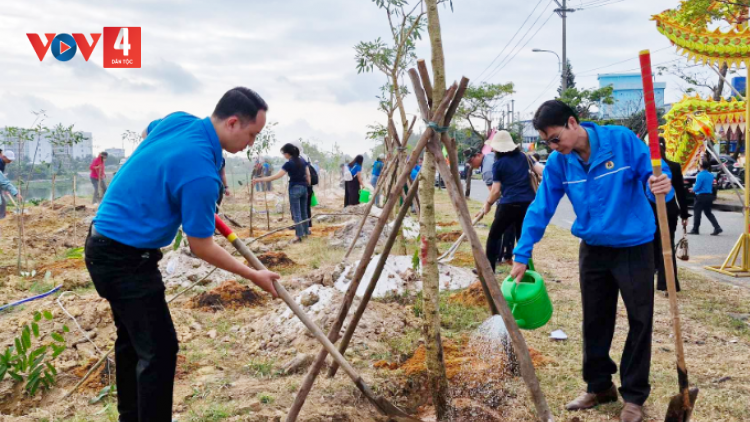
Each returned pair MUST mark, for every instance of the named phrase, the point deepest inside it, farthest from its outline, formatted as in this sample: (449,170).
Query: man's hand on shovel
(264,279)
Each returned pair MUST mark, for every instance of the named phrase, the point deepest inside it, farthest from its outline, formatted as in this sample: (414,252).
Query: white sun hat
(10,155)
(501,142)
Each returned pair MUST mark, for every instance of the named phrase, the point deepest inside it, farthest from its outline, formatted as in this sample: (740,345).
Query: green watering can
(314,200)
(528,300)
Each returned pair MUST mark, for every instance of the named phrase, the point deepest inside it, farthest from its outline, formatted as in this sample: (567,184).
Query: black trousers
(605,272)
(507,244)
(506,215)
(673,215)
(703,204)
(146,346)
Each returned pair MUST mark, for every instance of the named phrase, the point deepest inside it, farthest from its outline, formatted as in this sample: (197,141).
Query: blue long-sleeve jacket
(610,205)
(664,169)
(6,185)
(704,183)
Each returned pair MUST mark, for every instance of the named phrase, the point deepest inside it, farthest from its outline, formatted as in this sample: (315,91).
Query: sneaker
(589,400)
(694,231)
(631,413)
(717,232)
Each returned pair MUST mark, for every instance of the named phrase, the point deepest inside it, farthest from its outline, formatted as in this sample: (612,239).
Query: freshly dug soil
(274,260)
(230,295)
(450,236)
(473,296)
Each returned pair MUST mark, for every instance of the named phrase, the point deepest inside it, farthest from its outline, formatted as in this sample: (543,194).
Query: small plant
(74,253)
(34,367)
(260,368)
(266,398)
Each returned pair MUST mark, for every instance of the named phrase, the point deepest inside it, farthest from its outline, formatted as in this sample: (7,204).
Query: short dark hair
(553,113)
(104,153)
(241,102)
(705,164)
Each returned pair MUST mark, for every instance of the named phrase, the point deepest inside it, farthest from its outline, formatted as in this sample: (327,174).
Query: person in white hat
(510,172)
(5,184)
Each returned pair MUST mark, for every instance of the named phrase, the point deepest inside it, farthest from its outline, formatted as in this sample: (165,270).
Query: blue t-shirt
(704,183)
(415,172)
(297,173)
(377,168)
(156,190)
(355,169)
(512,171)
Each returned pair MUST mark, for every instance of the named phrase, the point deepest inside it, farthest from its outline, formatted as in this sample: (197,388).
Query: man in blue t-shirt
(704,199)
(602,170)
(171,180)
(377,168)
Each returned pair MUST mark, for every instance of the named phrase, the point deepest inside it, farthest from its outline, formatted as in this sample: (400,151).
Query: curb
(727,207)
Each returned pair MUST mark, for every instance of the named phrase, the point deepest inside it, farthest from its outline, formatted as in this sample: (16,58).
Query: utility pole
(562,12)
(512,112)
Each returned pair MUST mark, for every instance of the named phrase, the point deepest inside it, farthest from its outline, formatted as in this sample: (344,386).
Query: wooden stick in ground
(483,266)
(382,404)
(424,74)
(389,168)
(252,205)
(54,176)
(75,218)
(375,276)
(364,261)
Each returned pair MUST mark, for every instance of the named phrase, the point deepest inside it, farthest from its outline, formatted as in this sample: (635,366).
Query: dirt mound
(99,379)
(230,295)
(58,267)
(274,260)
(450,236)
(473,296)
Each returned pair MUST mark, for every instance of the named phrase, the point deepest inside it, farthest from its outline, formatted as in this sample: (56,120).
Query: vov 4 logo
(122,46)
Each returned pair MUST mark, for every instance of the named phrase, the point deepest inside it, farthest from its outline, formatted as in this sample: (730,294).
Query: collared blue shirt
(704,183)
(593,144)
(5,184)
(377,167)
(610,205)
(171,179)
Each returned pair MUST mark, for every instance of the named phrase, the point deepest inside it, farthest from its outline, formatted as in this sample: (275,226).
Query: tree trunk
(469,171)
(437,379)
(252,203)
(720,85)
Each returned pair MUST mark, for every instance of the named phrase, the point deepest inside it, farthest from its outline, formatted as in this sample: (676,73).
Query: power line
(602,4)
(620,62)
(511,39)
(495,72)
(638,68)
(513,50)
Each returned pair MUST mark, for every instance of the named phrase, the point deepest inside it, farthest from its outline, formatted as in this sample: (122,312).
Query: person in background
(310,191)
(511,174)
(602,170)
(2,162)
(299,180)
(352,187)
(98,176)
(377,168)
(5,184)
(477,160)
(316,166)
(414,172)
(224,189)
(171,180)
(677,208)
(704,199)
(267,171)
(258,172)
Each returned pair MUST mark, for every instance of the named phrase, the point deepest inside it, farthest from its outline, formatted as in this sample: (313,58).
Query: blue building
(628,94)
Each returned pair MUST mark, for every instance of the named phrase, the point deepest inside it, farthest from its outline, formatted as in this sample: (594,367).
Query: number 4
(121,43)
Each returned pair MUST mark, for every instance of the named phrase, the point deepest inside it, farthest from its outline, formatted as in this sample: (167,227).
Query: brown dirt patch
(446,223)
(450,236)
(275,260)
(323,231)
(184,368)
(98,380)
(230,295)
(463,259)
(473,296)
(62,265)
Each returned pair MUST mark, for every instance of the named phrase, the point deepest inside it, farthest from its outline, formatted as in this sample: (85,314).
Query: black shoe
(693,232)
(717,232)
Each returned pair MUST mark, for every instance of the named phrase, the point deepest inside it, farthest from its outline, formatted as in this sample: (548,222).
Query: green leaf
(3,371)
(26,337)
(37,316)
(19,346)
(51,368)
(47,315)
(15,376)
(57,337)
(177,240)
(74,253)
(66,329)
(35,329)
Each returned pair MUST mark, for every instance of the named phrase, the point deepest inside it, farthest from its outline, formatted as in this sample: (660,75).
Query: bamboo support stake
(375,276)
(54,176)
(268,214)
(75,218)
(364,261)
(252,204)
(425,77)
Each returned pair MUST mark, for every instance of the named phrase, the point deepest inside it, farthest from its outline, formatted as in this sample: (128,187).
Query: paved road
(704,249)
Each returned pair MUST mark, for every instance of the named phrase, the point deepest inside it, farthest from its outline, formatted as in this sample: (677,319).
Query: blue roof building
(628,94)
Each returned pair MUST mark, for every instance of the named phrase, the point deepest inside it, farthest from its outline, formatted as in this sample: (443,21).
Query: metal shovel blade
(677,410)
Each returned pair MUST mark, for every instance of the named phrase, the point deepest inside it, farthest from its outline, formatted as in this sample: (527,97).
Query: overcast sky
(298,54)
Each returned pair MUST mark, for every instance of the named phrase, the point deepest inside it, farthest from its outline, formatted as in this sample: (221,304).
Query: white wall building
(115,152)
(42,150)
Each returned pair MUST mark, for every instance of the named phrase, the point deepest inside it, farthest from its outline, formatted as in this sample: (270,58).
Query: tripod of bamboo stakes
(707,47)
(437,119)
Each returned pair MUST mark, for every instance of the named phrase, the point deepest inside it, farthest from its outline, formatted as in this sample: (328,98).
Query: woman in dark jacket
(352,187)
(677,208)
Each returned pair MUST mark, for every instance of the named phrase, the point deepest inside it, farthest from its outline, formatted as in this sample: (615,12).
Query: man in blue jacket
(602,170)
(704,199)
(154,193)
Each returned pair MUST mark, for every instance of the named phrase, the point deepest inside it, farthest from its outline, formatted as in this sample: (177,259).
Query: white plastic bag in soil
(399,276)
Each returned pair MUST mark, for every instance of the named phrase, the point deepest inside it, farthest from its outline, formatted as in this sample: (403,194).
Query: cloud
(173,77)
